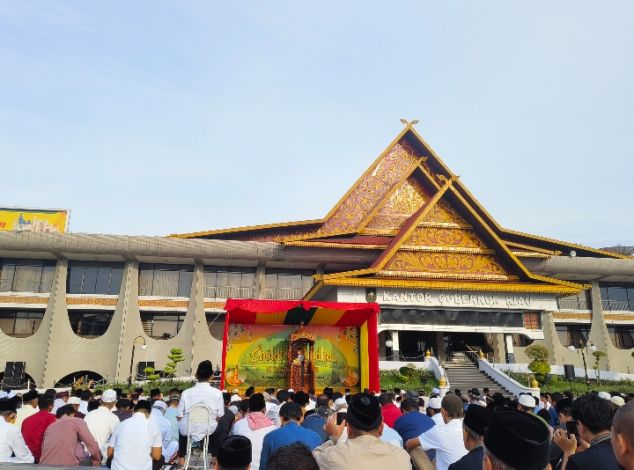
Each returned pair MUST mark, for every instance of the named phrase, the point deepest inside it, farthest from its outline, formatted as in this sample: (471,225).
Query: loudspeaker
(569,371)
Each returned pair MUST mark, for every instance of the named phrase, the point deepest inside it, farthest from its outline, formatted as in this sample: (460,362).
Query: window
(532,320)
(166,280)
(229,282)
(521,341)
(617,296)
(90,323)
(573,334)
(94,278)
(26,275)
(20,323)
(580,301)
(162,325)
(287,284)
(622,336)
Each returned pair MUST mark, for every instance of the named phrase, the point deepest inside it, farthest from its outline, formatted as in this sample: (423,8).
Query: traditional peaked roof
(428,230)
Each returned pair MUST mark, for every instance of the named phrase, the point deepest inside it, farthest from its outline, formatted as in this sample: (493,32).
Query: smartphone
(571,428)
(341,416)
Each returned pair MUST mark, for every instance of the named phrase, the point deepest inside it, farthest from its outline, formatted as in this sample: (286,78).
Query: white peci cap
(109,396)
(435,403)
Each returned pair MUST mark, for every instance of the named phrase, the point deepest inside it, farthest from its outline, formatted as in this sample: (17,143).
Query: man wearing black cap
(594,421)
(515,440)
(201,393)
(28,408)
(12,445)
(364,448)
(234,453)
(476,419)
(136,444)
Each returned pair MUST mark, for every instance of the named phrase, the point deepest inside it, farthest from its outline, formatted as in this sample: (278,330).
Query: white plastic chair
(200,416)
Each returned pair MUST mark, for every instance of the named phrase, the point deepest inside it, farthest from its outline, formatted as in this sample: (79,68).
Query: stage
(301,345)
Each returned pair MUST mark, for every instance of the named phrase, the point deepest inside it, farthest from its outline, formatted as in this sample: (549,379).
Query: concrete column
(260,282)
(440,346)
(510,354)
(600,338)
(395,345)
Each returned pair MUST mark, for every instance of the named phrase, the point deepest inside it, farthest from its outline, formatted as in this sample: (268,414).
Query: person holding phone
(290,432)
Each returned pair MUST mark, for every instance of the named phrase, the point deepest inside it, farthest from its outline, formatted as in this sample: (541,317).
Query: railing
(573,304)
(504,380)
(617,305)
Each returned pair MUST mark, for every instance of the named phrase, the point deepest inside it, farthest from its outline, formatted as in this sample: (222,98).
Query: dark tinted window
(90,323)
(85,277)
(617,296)
(26,275)
(20,323)
(165,280)
(162,325)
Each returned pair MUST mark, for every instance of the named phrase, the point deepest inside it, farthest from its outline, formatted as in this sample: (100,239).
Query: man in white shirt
(157,417)
(102,421)
(28,408)
(201,393)
(12,446)
(136,442)
(255,427)
(446,439)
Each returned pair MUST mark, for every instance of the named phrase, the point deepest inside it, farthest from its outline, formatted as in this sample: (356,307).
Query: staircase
(463,374)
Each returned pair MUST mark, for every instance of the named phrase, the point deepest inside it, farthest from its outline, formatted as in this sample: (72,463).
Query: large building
(408,235)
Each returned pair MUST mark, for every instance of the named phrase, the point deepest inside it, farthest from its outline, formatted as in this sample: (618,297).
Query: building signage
(451,299)
(33,220)
(465,299)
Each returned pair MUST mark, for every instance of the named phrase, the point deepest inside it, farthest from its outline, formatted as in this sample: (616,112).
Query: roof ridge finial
(409,123)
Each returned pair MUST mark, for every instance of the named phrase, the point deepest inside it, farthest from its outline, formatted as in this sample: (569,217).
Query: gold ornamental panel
(462,263)
(370,190)
(443,212)
(450,237)
(401,205)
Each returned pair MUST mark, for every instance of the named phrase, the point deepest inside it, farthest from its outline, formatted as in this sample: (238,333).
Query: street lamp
(582,349)
(138,341)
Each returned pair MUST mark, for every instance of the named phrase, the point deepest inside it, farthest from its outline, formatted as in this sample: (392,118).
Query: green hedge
(412,379)
(555,383)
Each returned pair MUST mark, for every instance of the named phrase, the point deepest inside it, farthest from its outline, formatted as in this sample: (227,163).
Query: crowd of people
(287,429)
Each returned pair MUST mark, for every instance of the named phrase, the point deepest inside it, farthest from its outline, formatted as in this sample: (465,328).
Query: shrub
(539,364)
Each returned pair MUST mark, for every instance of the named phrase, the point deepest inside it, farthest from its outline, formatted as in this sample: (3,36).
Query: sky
(159,117)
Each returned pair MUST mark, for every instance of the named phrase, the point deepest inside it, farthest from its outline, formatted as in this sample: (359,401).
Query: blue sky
(159,117)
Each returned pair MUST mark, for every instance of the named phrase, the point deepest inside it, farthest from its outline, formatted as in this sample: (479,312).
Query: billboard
(13,219)
(263,356)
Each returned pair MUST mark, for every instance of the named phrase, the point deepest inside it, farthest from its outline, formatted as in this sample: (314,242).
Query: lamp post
(138,341)
(583,346)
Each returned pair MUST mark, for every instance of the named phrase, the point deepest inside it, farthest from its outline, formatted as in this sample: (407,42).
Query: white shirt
(157,417)
(203,393)
(102,423)
(133,441)
(447,441)
(437,418)
(273,413)
(241,428)
(24,412)
(83,407)
(12,442)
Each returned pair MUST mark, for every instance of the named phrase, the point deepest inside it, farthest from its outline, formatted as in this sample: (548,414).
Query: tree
(175,356)
(597,358)
(539,364)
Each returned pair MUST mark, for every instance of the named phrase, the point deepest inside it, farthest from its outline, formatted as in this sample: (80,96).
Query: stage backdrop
(257,355)
(338,343)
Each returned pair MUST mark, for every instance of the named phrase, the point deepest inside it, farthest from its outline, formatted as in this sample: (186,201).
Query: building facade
(408,235)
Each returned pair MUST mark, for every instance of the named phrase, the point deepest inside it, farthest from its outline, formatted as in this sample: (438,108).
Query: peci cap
(520,440)
(477,418)
(618,401)
(435,403)
(605,395)
(435,391)
(30,395)
(9,404)
(109,396)
(74,401)
(160,405)
(234,452)
(364,412)
(527,400)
